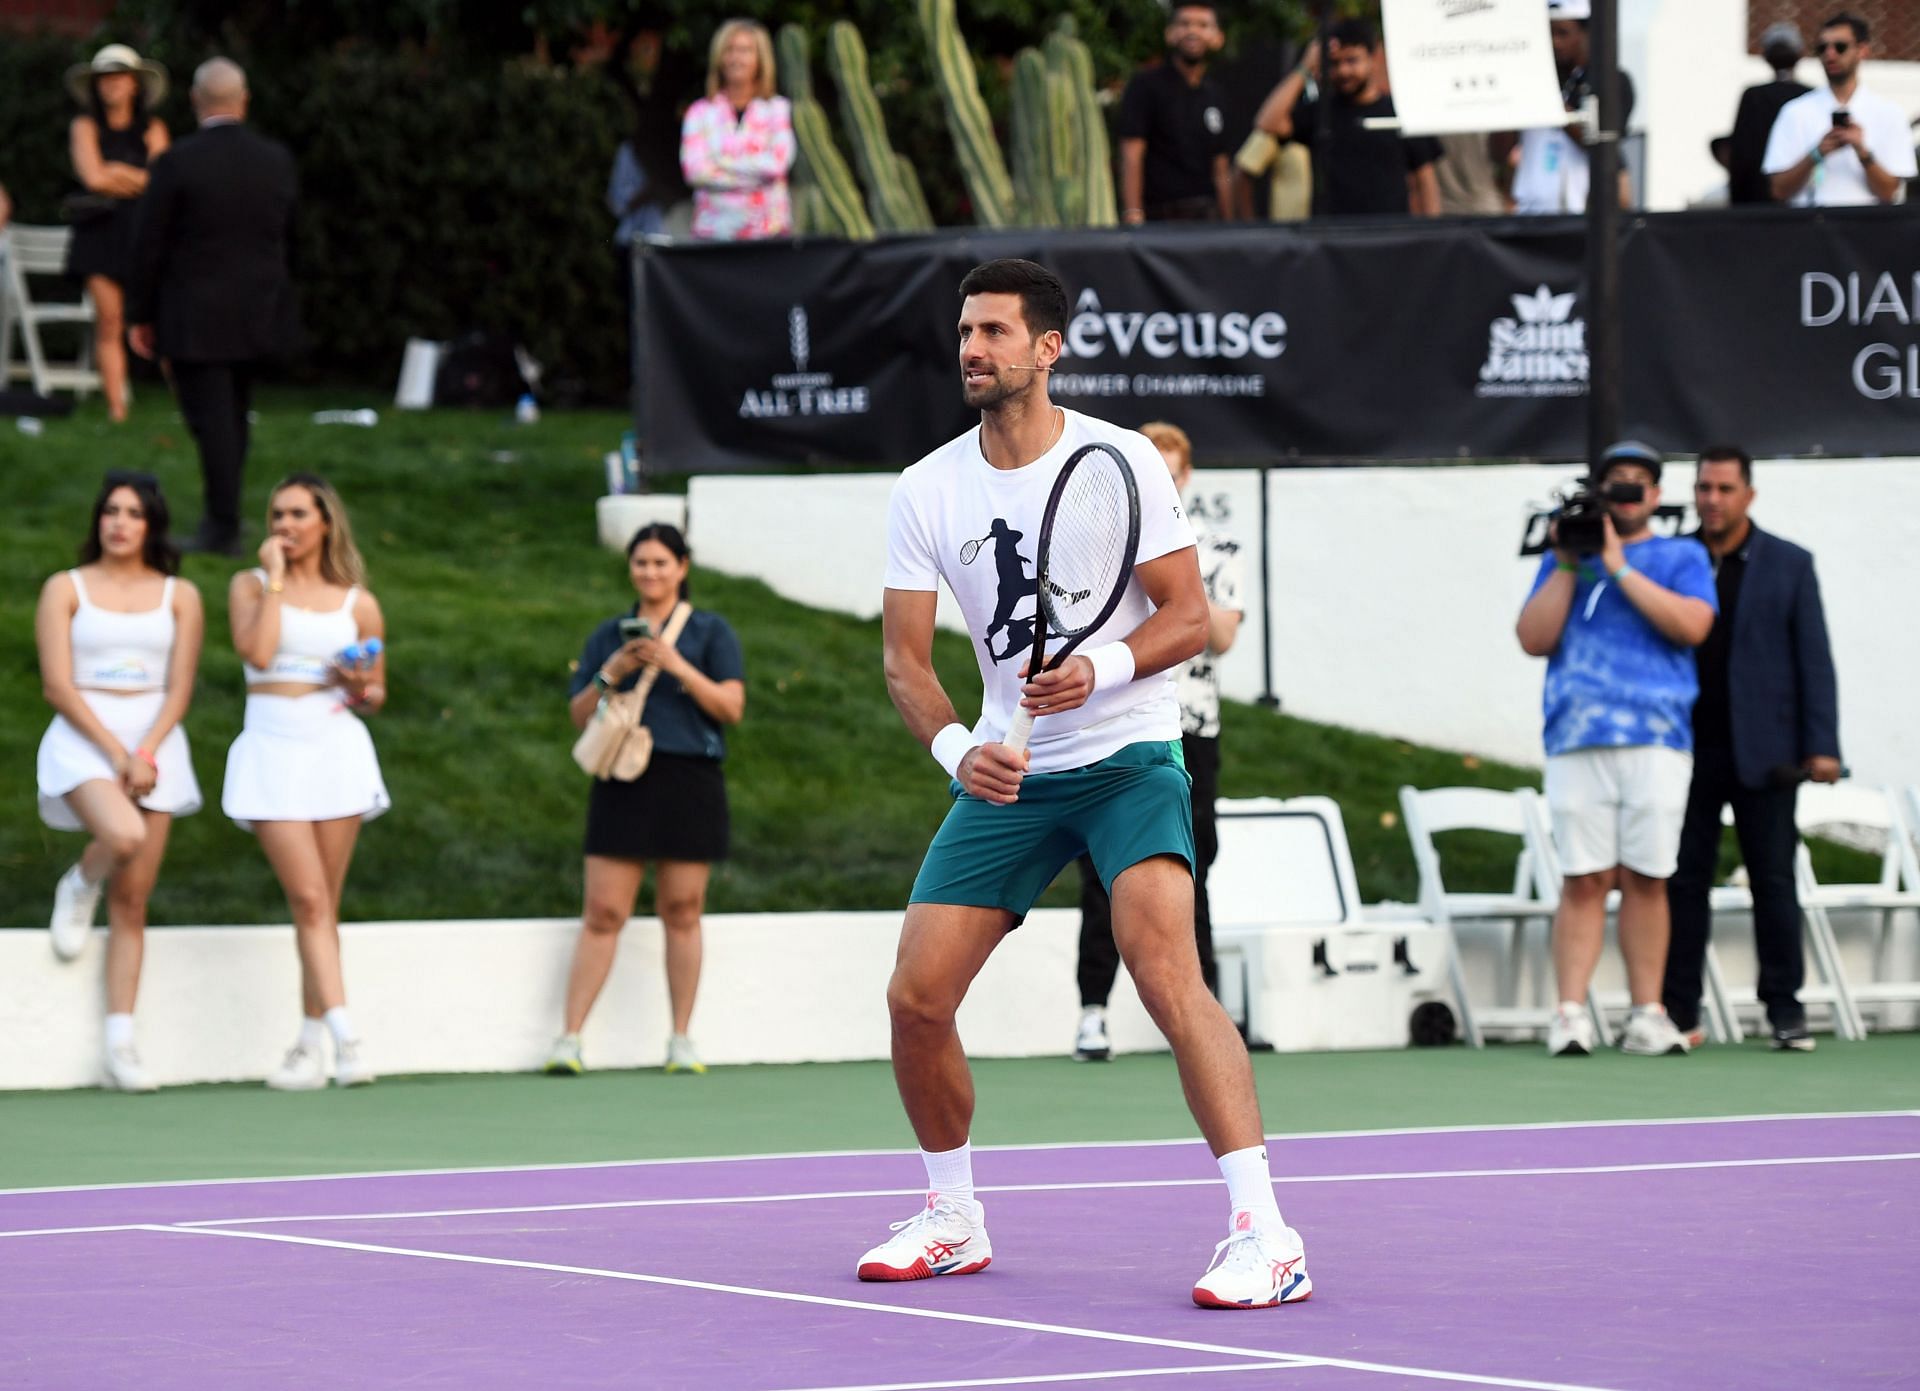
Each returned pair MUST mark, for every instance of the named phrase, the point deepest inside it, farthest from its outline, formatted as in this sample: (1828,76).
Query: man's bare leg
(942,948)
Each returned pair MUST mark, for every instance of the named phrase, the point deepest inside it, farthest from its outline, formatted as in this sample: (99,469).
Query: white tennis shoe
(1259,1265)
(1570,1035)
(75,905)
(1090,1042)
(945,1237)
(126,1073)
(302,1070)
(350,1067)
(1651,1034)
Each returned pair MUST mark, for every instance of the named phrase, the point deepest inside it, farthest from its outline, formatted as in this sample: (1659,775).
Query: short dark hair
(1861,33)
(157,551)
(1729,453)
(1179,5)
(1359,33)
(1043,299)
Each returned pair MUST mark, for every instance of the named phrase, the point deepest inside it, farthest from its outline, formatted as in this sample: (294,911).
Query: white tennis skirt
(302,758)
(68,758)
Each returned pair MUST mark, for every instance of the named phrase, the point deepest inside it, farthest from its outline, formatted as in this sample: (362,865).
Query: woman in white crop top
(303,776)
(119,641)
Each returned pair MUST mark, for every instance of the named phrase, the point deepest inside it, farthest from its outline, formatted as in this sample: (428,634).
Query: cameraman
(1618,629)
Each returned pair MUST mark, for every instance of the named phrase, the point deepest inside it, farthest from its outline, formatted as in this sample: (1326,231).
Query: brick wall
(1895,23)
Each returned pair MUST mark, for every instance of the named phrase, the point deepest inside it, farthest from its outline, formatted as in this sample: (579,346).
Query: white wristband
(951,745)
(1112,665)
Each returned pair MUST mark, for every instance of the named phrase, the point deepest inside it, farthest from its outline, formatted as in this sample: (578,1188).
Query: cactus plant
(922,214)
(1063,126)
(892,206)
(1094,164)
(827,198)
(981,162)
(1031,132)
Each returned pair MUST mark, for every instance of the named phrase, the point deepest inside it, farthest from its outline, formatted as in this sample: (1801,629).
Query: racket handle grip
(1020,730)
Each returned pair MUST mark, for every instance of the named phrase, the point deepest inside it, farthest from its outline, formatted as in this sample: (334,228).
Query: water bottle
(360,417)
(31,426)
(361,655)
(527,410)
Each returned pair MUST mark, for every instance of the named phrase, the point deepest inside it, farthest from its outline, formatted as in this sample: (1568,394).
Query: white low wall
(1395,590)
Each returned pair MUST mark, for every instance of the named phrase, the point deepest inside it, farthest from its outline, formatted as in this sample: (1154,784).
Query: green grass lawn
(480,539)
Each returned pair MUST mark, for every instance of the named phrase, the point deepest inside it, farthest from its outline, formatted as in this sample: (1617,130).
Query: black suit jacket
(1746,183)
(1782,698)
(210,249)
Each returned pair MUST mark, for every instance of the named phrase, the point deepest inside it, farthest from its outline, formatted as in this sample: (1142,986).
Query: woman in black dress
(111,143)
(674,814)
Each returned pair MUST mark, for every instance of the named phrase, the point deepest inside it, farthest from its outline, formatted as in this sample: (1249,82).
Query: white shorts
(1619,807)
(68,758)
(302,758)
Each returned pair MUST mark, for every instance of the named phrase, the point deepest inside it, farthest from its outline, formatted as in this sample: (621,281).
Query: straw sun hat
(117,57)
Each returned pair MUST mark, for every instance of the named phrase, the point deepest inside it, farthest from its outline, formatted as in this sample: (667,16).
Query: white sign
(1471,65)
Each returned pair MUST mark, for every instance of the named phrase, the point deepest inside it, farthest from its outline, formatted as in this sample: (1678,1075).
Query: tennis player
(1102,775)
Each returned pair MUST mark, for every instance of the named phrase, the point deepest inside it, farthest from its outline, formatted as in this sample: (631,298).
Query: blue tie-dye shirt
(1614,681)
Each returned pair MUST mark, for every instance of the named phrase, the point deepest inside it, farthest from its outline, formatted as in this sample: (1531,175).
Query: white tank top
(309,642)
(121,651)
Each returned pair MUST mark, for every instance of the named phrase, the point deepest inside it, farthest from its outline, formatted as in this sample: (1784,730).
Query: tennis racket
(972,548)
(1083,560)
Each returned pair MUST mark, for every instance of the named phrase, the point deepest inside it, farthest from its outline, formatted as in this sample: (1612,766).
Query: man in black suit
(210,289)
(1766,720)
(1783,48)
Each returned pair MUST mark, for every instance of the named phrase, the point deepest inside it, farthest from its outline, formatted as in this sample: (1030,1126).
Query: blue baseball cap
(1628,452)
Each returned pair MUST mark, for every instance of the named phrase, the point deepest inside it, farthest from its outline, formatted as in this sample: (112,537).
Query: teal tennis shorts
(1128,807)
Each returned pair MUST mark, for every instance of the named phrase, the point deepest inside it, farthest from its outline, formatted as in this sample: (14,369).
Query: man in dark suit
(210,289)
(1766,720)
(1783,48)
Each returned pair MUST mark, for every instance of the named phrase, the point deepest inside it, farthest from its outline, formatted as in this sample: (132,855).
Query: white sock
(950,1172)
(339,1025)
(79,873)
(1569,1008)
(1250,1182)
(119,1031)
(312,1033)
(1659,1011)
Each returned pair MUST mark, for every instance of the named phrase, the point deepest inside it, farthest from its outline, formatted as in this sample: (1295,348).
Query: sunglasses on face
(1833,46)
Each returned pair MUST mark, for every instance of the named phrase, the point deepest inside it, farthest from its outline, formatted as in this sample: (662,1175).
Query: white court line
(1042,1378)
(865,1306)
(847,1194)
(1278,1139)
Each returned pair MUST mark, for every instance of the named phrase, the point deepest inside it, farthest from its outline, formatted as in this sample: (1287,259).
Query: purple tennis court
(1687,1254)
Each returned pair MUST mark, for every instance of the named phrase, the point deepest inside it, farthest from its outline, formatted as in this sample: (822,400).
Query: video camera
(1580,512)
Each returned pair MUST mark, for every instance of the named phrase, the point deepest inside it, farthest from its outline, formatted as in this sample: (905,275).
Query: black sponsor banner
(1790,332)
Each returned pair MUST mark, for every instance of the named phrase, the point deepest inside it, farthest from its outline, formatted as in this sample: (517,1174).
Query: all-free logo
(801,391)
(1540,351)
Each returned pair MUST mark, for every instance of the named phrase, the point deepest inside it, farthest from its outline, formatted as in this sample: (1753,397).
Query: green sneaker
(564,1060)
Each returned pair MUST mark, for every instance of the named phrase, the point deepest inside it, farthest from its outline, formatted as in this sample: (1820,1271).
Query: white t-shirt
(954,498)
(1841,180)
(1553,175)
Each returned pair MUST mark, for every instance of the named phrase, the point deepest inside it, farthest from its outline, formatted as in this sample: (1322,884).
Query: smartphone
(631,628)
(1842,119)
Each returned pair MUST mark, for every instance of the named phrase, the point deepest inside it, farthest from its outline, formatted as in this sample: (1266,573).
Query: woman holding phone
(119,641)
(302,776)
(674,815)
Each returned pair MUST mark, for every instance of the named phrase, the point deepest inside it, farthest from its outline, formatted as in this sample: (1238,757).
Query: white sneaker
(126,1073)
(565,1060)
(75,903)
(302,1070)
(1570,1035)
(943,1238)
(681,1057)
(1259,1265)
(1091,1044)
(1650,1034)
(350,1069)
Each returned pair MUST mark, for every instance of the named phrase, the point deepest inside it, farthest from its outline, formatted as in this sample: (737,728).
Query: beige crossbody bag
(615,744)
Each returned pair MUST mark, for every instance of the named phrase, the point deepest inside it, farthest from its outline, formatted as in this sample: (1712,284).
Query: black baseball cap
(1628,452)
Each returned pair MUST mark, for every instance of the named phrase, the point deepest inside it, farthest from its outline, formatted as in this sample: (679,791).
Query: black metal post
(637,361)
(1603,232)
(1322,120)
(1267,698)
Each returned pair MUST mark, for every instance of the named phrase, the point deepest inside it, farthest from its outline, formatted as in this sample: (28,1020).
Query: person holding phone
(674,815)
(1840,145)
(303,775)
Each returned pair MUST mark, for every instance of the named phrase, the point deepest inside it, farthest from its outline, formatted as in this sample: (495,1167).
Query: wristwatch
(601,683)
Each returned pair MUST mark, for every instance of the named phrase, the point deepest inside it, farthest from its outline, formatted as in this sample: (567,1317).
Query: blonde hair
(1167,437)
(763,44)
(340,561)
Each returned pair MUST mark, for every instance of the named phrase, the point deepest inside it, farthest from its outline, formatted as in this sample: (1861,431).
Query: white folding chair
(1533,898)
(41,252)
(1825,806)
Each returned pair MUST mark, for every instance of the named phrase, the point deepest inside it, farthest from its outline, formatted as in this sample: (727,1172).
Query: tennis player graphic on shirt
(1100,774)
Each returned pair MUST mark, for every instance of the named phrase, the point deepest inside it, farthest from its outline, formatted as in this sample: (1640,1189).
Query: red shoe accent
(1207,1301)
(919,1270)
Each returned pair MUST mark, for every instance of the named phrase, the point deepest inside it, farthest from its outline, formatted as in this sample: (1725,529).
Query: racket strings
(1088,547)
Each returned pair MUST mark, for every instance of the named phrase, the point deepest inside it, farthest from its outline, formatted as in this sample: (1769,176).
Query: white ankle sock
(79,873)
(312,1033)
(950,1172)
(119,1030)
(1250,1182)
(339,1025)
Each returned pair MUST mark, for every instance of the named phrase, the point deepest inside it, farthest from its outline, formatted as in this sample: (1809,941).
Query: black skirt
(676,810)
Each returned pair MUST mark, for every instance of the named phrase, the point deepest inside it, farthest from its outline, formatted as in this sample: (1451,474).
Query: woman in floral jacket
(737,145)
